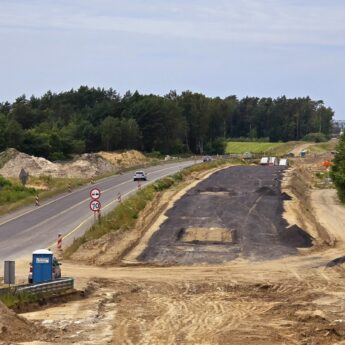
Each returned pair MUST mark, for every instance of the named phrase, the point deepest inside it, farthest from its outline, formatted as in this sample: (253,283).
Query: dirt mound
(124,159)
(298,209)
(14,161)
(297,237)
(88,165)
(6,155)
(15,328)
(85,166)
(335,262)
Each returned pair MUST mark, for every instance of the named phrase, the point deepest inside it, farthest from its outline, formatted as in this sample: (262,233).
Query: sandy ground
(290,300)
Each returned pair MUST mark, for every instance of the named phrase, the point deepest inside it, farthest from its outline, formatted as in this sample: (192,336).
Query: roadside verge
(108,241)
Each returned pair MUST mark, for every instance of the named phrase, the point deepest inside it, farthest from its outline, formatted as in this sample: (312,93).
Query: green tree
(14,134)
(110,133)
(3,125)
(338,169)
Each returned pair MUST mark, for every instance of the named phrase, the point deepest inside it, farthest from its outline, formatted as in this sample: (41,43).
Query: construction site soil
(270,282)
(245,201)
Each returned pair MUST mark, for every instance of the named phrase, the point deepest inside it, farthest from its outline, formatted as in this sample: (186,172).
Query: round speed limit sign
(95,205)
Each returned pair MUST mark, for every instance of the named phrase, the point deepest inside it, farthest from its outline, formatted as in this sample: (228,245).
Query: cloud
(246,21)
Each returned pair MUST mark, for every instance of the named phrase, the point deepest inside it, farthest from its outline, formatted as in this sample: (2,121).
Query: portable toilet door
(42,266)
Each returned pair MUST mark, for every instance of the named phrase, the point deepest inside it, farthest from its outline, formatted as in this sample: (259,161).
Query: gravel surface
(246,199)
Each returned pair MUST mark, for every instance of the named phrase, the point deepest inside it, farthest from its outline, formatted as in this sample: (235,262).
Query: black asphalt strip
(246,199)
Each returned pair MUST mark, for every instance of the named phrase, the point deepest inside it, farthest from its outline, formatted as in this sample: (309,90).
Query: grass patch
(14,195)
(13,300)
(323,147)
(278,149)
(124,216)
(11,192)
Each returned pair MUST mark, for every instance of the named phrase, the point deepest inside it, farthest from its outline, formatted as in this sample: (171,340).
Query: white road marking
(90,217)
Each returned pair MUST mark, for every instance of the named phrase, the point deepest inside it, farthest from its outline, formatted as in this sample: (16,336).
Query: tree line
(92,119)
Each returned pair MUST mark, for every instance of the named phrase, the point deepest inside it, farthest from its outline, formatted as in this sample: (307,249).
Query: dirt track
(292,299)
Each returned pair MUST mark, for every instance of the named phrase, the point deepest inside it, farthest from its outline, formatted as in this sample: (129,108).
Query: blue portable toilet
(42,266)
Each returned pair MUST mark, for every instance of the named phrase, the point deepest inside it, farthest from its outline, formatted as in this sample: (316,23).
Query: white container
(283,162)
(264,161)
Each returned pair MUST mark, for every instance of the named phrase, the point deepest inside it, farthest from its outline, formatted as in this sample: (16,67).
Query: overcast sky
(220,48)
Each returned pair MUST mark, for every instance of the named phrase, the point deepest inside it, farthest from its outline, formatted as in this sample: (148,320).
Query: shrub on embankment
(12,300)
(11,192)
(125,215)
(14,195)
(338,169)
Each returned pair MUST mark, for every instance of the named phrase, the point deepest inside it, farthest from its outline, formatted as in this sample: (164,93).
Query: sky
(263,48)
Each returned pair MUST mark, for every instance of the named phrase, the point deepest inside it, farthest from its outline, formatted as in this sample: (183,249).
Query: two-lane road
(69,214)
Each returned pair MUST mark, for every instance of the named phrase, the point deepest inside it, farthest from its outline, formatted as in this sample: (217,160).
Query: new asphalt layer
(245,200)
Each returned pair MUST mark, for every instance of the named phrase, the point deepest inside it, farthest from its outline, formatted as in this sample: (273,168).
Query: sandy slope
(330,211)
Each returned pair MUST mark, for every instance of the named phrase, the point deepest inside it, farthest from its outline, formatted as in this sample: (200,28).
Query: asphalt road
(246,199)
(38,227)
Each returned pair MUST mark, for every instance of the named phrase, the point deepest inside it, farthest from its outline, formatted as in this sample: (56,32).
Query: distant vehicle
(264,161)
(291,154)
(206,159)
(56,270)
(283,162)
(139,176)
(247,155)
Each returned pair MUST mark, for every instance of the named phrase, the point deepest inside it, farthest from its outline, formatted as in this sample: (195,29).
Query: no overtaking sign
(95,194)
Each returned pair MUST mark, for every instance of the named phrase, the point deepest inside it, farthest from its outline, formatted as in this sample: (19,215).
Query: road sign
(95,193)
(95,205)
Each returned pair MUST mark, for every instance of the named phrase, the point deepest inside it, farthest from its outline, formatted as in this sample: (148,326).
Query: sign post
(95,204)
(10,272)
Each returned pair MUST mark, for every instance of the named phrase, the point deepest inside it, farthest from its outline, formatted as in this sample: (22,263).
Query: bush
(56,156)
(164,183)
(11,192)
(154,154)
(217,146)
(338,169)
(315,137)
(4,182)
